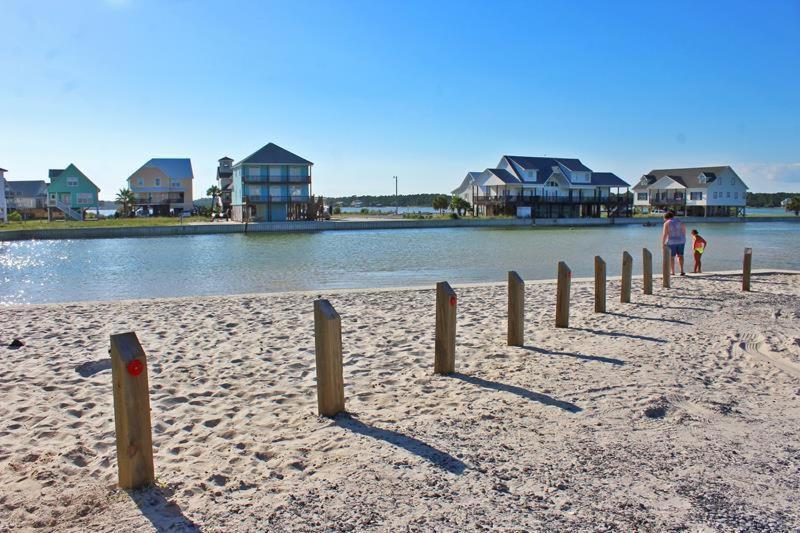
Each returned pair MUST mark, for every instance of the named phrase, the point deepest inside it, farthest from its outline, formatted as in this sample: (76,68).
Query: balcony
(255,199)
(531,200)
(277,180)
(658,200)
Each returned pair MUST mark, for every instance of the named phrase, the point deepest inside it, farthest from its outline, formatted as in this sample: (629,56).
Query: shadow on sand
(598,358)
(618,334)
(519,391)
(439,458)
(631,317)
(682,308)
(157,506)
(90,368)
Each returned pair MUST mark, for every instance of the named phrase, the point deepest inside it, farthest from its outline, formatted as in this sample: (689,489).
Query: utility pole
(396,205)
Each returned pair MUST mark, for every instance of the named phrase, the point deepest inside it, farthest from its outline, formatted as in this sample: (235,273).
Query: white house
(3,204)
(543,187)
(701,191)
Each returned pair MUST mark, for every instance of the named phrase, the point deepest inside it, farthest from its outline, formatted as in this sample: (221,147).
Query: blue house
(272,184)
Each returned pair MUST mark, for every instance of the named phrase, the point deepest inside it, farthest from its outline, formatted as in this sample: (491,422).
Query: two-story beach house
(225,180)
(163,185)
(544,187)
(700,191)
(272,184)
(71,193)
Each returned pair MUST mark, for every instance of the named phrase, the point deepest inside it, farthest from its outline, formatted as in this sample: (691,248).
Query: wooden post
(562,295)
(445,357)
(131,412)
(647,271)
(665,266)
(627,273)
(328,349)
(599,285)
(516,310)
(746,267)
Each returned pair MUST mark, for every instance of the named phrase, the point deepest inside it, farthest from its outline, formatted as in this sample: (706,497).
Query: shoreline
(406,288)
(316,226)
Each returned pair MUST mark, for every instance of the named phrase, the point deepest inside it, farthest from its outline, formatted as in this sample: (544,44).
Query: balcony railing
(677,199)
(258,199)
(277,179)
(529,200)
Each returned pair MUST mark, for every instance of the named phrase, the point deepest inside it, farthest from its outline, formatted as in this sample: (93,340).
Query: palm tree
(213,191)
(126,198)
(794,205)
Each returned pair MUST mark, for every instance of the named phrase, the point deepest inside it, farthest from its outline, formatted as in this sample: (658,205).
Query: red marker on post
(453,301)
(135,367)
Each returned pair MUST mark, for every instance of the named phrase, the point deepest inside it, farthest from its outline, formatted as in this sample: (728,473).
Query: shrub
(14,216)
(337,210)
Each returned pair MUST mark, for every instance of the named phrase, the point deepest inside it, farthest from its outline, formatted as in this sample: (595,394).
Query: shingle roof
(54,173)
(176,168)
(27,188)
(272,154)
(644,183)
(504,175)
(608,179)
(469,180)
(688,177)
(226,158)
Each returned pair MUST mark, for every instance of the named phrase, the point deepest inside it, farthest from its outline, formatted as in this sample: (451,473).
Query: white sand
(679,410)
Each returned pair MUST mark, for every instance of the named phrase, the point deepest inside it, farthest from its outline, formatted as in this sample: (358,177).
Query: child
(698,246)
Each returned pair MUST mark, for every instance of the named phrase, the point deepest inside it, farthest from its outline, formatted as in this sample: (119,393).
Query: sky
(425,91)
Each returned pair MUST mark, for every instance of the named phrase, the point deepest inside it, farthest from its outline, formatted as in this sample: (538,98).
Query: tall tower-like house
(225,180)
(3,203)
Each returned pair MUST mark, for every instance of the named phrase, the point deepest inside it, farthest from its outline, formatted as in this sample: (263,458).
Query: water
(107,269)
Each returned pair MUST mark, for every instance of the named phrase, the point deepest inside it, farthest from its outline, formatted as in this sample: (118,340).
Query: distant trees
(125,197)
(440,202)
(794,205)
(459,206)
(766,199)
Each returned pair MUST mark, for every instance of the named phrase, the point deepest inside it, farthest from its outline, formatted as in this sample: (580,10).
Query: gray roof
(176,168)
(544,167)
(272,154)
(226,158)
(688,177)
(54,172)
(608,179)
(504,175)
(27,188)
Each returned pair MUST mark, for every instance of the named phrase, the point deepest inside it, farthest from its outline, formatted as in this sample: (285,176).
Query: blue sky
(423,90)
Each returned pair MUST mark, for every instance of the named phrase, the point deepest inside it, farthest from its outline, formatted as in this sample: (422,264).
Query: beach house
(27,197)
(163,185)
(3,203)
(544,187)
(71,193)
(225,180)
(697,191)
(271,184)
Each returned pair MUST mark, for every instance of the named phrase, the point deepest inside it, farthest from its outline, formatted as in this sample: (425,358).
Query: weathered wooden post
(516,310)
(627,274)
(647,271)
(131,412)
(445,360)
(665,266)
(746,267)
(599,285)
(328,349)
(562,295)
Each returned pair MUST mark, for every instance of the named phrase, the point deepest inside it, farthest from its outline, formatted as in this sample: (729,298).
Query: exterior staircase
(66,209)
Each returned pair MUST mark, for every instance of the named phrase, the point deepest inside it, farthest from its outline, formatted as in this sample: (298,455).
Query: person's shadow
(598,358)
(439,458)
(157,505)
(519,391)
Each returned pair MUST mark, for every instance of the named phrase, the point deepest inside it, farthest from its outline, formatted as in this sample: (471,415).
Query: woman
(674,236)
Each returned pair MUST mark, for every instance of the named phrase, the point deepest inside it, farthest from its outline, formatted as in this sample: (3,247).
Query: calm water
(105,269)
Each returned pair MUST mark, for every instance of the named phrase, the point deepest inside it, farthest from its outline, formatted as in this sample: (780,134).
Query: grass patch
(138,222)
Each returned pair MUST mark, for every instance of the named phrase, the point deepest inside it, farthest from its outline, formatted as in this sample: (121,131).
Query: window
(85,198)
(733,181)
(294,190)
(72,181)
(695,195)
(275,190)
(158,182)
(274,171)
(715,195)
(254,190)
(253,172)
(641,196)
(729,194)
(296,171)
(176,185)
(140,182)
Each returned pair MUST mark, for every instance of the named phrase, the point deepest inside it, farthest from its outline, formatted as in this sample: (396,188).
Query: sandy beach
(679,410)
